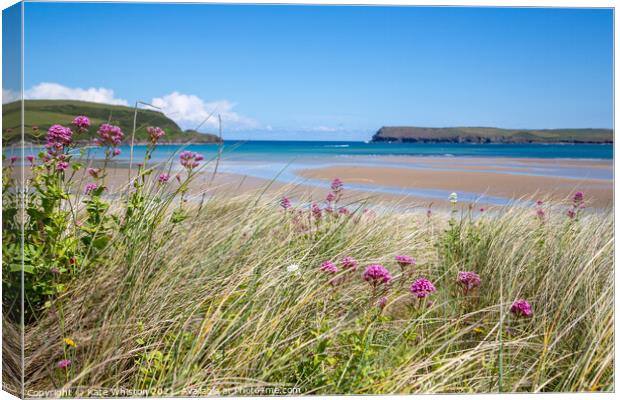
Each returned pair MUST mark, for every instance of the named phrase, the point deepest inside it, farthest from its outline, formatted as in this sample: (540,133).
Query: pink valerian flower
(90,187)
(81,122)
(58,137)
(94,172)
(329,267)
(331,196)
(481,209)
(571,213)
(163,178)
(328,210)
(63,364)
(521,308)
(468,280)
(116,152)
(62,165)
(404,261)
(422,287)
(377,274)
(190,160)
(578,197)
(30,159)
(316,211)
(344,211)
(13,159)
(155,133)
(285,203)
(337,185)
(539,203)
(109,135)
(349,263)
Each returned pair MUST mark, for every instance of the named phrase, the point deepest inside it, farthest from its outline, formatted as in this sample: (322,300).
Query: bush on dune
(148,290)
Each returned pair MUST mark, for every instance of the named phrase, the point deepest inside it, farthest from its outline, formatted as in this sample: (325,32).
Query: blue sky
(313,72)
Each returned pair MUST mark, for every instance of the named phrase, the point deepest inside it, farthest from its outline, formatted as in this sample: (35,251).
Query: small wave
(336,145)
(448,155)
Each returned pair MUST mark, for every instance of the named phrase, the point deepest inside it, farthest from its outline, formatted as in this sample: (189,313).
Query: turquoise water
(280,150)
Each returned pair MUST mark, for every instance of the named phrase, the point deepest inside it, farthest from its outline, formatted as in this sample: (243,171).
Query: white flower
(292,268)
(453,198)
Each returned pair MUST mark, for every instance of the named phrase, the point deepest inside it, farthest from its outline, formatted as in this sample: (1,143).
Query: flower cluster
(90,187)
(82,123)
(285,203)
(578,204)
(190,160)
(349,263)
(163,178)
(377,274)
(422,287)
(155,133)
(58,137)
(109,135)
(337,185)
(404,261)
(521,308)
(468,280)
(330,267)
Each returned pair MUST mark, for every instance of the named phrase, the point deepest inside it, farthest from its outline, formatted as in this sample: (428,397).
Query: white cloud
(189,111)
(47,90)
(9,96)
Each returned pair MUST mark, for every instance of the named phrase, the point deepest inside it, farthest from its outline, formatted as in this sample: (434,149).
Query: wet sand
(511,186)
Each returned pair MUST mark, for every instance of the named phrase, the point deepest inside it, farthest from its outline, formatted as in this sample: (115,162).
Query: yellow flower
(70,342)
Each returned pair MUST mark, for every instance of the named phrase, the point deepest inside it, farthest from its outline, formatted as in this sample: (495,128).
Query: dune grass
(218,295)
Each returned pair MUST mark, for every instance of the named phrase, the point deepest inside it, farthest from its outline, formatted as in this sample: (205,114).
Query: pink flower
(571,213)
(109,135)
(163,178)
(521,308)
(329,267)
(116,152)
(285,203)
(316,211)
(13,159)
(578,197)
(377,274)
(331,196)
(81,122)
(58,137)
(429,213)
(404,261)
(349,263)
(344,211)
(90,187)
(481,209)
(94,172)
(62,165)
(422,287)
(337,185)
(30,158)
(62,364)
(539,203)
(155,133)
(468,280)
(190,160)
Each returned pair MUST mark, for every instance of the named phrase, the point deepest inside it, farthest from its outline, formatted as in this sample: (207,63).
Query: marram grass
(210,307)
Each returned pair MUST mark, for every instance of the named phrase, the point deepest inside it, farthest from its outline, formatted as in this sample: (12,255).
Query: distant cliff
(411,134)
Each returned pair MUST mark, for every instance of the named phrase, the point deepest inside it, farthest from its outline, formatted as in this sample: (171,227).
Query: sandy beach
(485,176)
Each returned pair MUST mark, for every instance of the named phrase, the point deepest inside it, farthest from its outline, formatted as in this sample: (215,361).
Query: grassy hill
(491,135)
(44,113)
